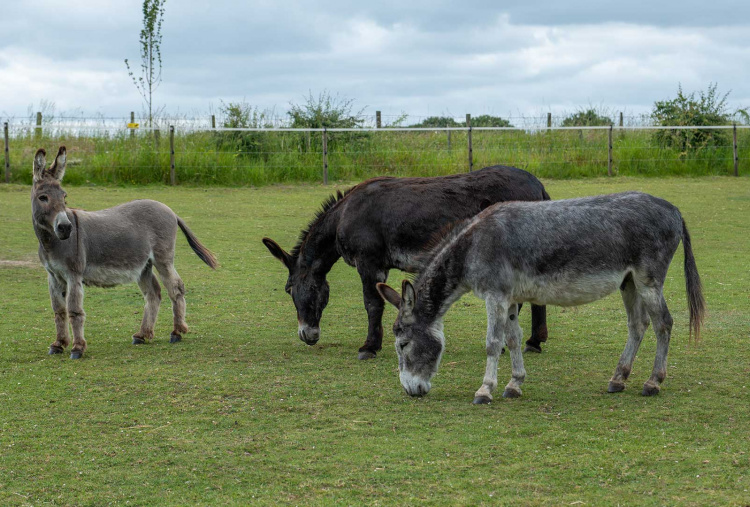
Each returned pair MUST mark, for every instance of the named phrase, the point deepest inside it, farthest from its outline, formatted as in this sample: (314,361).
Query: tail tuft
(200,250)
(693,287)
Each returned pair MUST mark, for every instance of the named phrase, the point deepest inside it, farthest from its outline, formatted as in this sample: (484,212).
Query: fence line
(436,147)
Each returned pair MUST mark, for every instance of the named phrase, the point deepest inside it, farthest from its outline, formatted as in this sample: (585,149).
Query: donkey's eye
(43,198)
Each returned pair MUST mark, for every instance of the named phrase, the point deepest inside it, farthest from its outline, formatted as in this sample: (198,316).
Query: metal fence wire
(241,156)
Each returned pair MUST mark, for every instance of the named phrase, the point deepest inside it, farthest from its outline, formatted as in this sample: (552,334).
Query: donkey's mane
(442,237)
(327,205)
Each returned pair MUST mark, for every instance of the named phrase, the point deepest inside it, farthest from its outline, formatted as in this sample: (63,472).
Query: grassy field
(243,412)
(262,158)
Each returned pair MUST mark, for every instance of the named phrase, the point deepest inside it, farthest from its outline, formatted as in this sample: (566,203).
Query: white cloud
(422,57)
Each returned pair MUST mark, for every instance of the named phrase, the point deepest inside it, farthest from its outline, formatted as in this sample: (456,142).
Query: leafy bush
(325,111)
(587,118)
(244,115)
(708,108)
(485,120)
(438,121)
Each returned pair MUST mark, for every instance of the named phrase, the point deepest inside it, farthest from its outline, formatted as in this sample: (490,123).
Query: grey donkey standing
(105,248)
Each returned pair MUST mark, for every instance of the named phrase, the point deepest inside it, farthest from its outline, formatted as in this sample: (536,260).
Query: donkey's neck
(442,282)
(318,251)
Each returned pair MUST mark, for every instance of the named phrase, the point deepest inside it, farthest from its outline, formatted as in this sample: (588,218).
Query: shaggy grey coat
(565,253)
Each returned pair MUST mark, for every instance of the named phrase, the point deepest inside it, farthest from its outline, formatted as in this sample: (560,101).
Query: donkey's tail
(200,250)
(693,287)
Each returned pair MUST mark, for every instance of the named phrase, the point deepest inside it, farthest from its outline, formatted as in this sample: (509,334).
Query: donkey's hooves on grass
(533,348)
(650,390)
(174,338)
(55,350)
(511,393)
(76,354)
(482,400)
(365,355)
(615,387)
(137,340)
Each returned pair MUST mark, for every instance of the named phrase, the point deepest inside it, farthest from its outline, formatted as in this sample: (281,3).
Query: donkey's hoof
(482,400)
(615,387)
(502,351)
(76,354)
(511,393)
(137,340)
(55,350)
(533,348)
(364,355)
(174,337)
(650,389)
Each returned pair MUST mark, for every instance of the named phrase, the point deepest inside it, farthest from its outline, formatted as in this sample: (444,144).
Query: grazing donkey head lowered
(309,290)
(105,248)
(419,344)
(47,196)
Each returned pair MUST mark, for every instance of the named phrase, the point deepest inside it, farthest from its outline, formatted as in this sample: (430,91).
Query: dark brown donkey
(386,223)
(105,248)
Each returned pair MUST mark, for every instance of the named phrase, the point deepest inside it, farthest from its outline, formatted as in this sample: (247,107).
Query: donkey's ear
(40,161)
(389,294)
(57,169)
(278,252)
(408,297)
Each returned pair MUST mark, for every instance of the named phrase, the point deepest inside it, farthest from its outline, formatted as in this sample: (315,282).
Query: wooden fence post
(609,151)
(736,157)
(38,130)
(213,121)
(132,120)
(620,118)
(325,156)
(172,177)
(471,148)
(549,120)
(449,139)
(378,123)
(7,154)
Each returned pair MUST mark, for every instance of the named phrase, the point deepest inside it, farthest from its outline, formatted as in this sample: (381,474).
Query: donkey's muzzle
(309,335)
(62,226)
(62,231)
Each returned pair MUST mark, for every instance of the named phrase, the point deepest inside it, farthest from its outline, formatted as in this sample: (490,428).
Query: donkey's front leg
(77,316)
(57,296)
(497,312)
(374,305)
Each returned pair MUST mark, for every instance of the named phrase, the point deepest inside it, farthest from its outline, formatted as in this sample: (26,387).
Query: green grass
(262,158)
(243,412)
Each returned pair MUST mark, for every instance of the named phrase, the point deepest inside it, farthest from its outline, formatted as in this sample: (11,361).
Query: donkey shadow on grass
(103,249)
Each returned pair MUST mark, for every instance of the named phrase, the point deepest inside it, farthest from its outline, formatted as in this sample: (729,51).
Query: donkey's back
(118,242)
(576,251)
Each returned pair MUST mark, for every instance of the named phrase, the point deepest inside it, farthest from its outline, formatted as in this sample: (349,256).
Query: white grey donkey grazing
(105,248)
(563,253)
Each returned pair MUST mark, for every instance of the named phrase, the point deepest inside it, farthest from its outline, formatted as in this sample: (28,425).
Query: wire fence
(199,154)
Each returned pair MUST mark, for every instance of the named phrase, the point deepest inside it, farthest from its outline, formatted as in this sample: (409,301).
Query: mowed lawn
(242,412)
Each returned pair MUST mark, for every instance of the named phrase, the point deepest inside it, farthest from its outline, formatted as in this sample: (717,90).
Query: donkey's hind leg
(151,290)
(176,290)
(57,296)
(637,324)
(661,319)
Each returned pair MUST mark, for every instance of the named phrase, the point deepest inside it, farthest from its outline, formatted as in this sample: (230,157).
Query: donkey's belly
(569,290)
(104,276)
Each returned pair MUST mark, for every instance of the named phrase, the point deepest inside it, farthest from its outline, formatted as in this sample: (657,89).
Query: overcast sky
(431,57)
